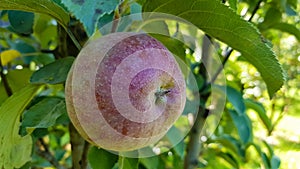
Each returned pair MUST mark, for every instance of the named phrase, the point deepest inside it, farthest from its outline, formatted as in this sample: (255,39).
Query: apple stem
(162,92)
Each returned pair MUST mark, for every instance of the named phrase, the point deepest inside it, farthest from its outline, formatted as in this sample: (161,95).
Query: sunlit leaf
(260,110)
(222,23)
(45,31)
(15,150)
(18,79)
(227,141)
(9,55)
(289,28)
(48,7)
(229,158)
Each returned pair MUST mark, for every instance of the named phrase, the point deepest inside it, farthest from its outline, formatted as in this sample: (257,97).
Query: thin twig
(255,10)
(226,57)
(84,157)
(45,153)
(5,81)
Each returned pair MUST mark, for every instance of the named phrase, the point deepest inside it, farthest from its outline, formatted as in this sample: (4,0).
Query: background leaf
(289,28)
(260,110)
(53,73)
(128,163)
(15,150)
(243,125)
(222,23)
(44,114)
(150,162)
(235,98)
(21,22)
(89,12)
(48,7)
(9,55)
(100,158)
(18,79)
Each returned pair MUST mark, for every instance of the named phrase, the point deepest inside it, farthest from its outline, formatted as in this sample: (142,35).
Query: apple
(124,91)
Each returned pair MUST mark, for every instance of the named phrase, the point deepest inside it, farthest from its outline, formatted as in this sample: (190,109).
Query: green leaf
(172,44)
(293,3)
(15,150)
(128,163)
(227,141)
(235,98)
(53,73)
(269,148)
(3,95)
(275,162)
(44,114)
(273,16)
(260,110)
(105,19)
(135,8)
(45,31)
(243,125)
(99,158)
(233,4)
(48,7)
(24,47)
(265,160)
(174,135)
(229,158)
(289,28)
(89,12)
(21,22)
(17,79)
(222,23)
(150,162)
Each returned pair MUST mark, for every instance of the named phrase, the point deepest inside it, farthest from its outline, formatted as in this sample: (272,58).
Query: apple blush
(124,91)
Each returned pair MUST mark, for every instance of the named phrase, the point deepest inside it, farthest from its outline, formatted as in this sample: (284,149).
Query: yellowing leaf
(9,55)
(15,150)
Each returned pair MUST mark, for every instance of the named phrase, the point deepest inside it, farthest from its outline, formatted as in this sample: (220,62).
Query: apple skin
(124,91)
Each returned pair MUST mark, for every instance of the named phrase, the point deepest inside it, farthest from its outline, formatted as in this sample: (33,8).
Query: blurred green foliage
(254,131)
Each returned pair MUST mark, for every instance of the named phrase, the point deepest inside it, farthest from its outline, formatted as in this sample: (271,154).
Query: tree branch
(77,146)
(84,159)
(46,154)
(194,146)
